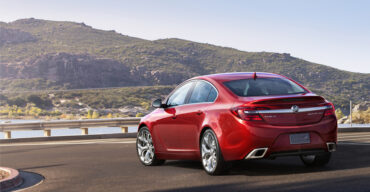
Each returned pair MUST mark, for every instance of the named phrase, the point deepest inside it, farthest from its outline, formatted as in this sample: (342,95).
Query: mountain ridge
(58,53)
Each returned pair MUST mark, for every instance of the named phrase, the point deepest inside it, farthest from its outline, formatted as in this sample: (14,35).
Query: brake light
(330,110)
(253,117)
(247,113)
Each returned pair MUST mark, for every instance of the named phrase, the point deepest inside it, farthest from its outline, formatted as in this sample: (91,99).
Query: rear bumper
(330,147)
(246,138)
(296,152)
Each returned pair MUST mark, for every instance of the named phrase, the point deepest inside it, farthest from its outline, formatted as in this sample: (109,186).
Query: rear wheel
(316,160)
(145,148)
(212,160)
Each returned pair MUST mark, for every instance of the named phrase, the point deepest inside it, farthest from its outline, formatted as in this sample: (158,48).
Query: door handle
(199,112)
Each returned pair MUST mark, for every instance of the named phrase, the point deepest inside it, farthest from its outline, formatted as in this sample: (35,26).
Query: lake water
(62,132)
(353,125)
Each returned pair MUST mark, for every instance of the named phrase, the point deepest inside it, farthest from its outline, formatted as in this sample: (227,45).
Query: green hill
(40,54)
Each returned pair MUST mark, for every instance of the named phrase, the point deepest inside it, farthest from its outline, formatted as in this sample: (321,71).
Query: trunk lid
(289,111)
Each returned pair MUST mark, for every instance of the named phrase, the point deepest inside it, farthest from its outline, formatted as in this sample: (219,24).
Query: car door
(190,117)
(165,128)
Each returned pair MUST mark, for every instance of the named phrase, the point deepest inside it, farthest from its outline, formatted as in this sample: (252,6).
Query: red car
(220,118)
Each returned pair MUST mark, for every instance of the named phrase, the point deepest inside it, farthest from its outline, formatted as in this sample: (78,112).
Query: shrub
(339,113)
(139,114)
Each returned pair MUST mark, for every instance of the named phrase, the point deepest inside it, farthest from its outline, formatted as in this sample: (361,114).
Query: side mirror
(158,103)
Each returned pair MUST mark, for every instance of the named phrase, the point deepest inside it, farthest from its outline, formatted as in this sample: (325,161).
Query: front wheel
(145,148)
(317,160)
(212,160)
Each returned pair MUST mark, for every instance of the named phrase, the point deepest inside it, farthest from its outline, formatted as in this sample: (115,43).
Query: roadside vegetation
(361,117)
(102,103)
(81,104)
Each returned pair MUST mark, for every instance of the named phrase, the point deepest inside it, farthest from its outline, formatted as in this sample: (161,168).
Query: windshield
(263,87)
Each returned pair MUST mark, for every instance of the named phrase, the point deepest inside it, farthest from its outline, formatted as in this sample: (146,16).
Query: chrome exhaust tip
(331,146)
(257,153)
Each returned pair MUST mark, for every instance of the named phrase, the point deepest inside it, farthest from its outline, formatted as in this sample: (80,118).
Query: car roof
(222,77)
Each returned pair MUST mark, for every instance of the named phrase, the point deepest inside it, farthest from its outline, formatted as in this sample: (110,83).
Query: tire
(145,148)
(211,156)
(317,160)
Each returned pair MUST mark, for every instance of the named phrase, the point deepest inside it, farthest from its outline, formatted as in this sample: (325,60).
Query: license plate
(299,138)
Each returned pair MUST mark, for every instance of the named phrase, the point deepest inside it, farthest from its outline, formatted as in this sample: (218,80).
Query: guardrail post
(124,129)
(7,134)
(84,131)
(47,133)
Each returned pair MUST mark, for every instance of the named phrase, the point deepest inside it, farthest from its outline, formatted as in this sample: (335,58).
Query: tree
(3,98)
(35,111)
(40,102)
(109,116)
(361,117)
(95,115)
(19,111)
(36,100)
(89,114)
(145,105)
(139,114)
(18,102)
(339,113)
(10,114)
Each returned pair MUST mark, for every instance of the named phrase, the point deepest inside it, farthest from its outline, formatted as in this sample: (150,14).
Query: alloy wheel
(209,152)
(145,146)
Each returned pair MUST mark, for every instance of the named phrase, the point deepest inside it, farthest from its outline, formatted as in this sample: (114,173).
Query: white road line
(357,133)
(352,136)
(65,143)
(125,142)
(354,139)
(357,139)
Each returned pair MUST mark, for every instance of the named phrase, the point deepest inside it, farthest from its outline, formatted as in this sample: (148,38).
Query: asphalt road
(112,165)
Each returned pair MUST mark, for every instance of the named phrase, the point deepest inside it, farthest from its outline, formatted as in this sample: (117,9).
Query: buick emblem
(294,108)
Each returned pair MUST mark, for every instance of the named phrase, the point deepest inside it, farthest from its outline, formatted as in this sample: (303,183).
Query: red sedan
(220,118)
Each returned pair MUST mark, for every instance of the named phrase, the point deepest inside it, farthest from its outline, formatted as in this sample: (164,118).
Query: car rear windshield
(263,87)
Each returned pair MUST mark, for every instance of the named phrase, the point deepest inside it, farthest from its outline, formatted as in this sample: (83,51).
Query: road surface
(112,165)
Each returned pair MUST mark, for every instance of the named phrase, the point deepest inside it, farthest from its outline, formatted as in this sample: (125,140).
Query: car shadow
(341,183)
(347,156)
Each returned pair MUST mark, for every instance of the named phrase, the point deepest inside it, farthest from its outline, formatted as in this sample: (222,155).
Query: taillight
(253,117)
(330,110)
(247,113)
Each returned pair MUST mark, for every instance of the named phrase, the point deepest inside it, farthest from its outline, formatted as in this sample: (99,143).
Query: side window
(203,92)
(179,96)
(212,95)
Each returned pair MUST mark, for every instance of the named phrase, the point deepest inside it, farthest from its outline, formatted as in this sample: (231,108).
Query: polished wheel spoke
(208,152)
(145,147)
(213,144)
(205,150)
(209,140)
(140,138)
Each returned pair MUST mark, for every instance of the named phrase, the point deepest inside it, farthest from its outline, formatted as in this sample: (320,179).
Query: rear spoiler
(292,100)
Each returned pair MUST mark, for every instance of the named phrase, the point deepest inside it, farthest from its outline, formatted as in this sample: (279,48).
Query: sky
(330,32)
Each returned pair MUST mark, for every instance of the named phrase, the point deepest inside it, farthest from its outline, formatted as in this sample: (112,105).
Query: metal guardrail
(84,125)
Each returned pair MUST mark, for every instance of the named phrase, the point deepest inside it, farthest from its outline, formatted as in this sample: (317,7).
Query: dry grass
(3,174)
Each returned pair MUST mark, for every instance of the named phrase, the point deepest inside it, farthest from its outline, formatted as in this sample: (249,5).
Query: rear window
(263,87)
